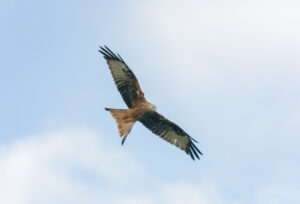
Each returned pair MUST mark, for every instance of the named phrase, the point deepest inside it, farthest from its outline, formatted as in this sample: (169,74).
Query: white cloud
(77,167)
(208,44)
(179,192)
(187,193)
(221,23)
(50,168)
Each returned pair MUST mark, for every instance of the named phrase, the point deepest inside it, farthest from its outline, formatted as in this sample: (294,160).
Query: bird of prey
(141,110)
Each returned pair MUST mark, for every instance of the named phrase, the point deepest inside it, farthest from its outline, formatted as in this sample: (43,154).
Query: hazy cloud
(76,167)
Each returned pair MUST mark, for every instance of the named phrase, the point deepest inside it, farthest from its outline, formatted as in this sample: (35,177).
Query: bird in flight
(141,110)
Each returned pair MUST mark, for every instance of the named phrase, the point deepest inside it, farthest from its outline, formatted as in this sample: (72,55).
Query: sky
(227,72)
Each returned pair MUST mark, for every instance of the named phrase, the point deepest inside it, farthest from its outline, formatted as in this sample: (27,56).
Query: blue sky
(227,73)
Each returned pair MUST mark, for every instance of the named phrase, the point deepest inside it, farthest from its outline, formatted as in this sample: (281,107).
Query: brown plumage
(141,110)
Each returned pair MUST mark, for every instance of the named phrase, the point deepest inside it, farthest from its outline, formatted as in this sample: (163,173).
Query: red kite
(141,110)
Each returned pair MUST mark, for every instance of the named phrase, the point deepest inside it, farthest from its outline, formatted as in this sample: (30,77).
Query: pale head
(152,107)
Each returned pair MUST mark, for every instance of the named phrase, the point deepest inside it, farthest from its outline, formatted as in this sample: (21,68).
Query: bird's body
(141,110)
(126,118)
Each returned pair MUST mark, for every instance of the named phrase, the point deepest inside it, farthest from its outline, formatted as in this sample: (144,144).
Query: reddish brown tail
(124,121)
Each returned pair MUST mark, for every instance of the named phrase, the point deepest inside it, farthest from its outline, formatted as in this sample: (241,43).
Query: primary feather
(170,132)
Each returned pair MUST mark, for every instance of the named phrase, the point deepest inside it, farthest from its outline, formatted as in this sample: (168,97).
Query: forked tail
(124,121)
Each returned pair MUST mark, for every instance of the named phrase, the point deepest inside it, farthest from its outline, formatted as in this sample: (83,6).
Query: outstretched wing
(124,78)
(170,132)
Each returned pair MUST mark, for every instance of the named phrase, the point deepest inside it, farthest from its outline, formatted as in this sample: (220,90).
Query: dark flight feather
(124,78)
(170,132)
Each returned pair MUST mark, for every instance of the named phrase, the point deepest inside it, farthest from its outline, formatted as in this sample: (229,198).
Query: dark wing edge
(124,78)
(170,132)
(109,55)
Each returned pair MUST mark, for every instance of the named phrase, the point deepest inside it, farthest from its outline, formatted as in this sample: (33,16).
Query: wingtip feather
(194,151)
(196,148)
(191,154)
(108,54)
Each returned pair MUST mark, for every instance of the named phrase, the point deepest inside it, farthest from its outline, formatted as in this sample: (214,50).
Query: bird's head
(152,107)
